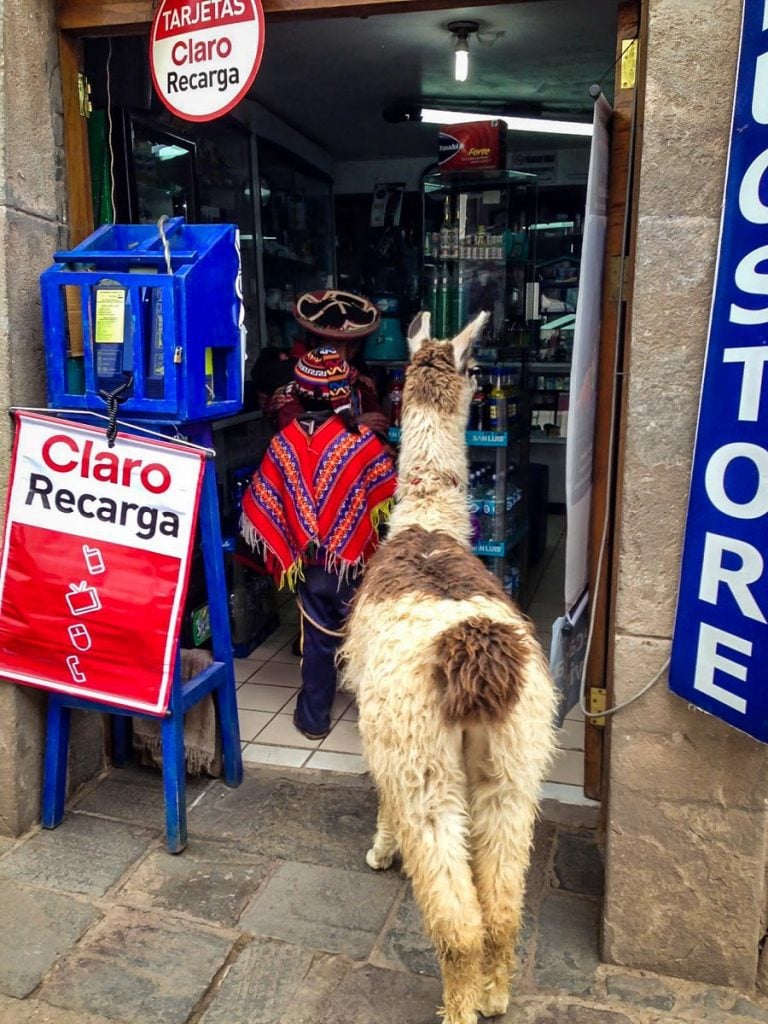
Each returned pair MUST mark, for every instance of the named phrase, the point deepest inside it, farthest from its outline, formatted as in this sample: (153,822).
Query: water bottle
(475,508)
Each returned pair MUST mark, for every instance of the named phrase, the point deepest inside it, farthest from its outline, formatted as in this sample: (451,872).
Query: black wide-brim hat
(336,314)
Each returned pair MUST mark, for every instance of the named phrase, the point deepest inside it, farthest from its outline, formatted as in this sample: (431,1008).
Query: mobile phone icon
(73,664)
(93,560)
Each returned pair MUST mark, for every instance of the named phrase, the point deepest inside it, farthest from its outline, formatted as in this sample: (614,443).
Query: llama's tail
(480,668)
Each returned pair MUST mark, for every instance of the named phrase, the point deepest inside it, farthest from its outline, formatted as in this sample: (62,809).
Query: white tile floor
(269,679)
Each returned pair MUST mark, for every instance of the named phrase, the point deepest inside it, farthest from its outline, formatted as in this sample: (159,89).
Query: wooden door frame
(610,412)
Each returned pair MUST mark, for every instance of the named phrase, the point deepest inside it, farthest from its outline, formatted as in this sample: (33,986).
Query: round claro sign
(204,54)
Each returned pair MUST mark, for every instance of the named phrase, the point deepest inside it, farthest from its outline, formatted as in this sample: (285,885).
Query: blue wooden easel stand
(217,679)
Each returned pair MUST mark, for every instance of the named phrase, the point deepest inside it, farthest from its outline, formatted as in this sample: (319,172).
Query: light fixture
(462,30)
(169,152)
(518,124)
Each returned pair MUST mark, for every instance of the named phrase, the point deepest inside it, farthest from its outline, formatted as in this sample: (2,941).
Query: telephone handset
(73,664)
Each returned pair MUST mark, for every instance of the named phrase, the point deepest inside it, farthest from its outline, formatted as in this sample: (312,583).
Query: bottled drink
(443,320)
(477,408)
(481,243)
(396,398)
(454,248)
(497,407)
(432,294)
(446,231)
(458,311)
(512,581)
(481,522)
(475,511)
(465,247)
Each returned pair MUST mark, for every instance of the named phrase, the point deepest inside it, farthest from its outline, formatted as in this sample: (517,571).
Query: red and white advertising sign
(204,54)
(95,561)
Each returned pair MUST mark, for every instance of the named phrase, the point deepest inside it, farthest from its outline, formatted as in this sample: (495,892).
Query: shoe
(309,735)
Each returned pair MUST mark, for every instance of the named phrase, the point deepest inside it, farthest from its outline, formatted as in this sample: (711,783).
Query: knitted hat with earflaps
(322,375)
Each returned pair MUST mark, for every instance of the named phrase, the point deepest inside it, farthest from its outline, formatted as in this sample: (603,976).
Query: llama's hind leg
(436,860)
(432,825)
(503,812)
(382,853)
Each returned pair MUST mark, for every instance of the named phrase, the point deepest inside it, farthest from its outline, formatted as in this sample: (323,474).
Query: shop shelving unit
(557,272)
(549,388)
(297,233)
(479,254)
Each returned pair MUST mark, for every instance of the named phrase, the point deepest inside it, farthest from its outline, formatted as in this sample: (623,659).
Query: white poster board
(567,658)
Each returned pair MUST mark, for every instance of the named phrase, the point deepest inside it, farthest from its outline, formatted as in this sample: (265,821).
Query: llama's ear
(419,331)
(464,340)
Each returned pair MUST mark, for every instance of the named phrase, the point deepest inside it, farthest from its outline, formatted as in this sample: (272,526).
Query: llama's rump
(480,661)
(480,669)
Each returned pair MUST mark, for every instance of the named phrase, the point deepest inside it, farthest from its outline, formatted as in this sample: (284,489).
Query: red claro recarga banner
(95,561)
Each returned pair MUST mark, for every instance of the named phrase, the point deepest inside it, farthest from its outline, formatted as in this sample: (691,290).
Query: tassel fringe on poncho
(325,491)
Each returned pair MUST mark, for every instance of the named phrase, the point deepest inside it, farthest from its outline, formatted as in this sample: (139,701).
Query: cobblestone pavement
(271,917)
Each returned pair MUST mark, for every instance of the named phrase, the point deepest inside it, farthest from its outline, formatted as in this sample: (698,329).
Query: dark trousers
(326,599)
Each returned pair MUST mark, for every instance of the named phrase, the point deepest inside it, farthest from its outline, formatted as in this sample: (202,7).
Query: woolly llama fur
(455,697)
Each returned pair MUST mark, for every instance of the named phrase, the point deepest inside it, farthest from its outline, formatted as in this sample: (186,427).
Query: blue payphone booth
(150,319)
(153,313)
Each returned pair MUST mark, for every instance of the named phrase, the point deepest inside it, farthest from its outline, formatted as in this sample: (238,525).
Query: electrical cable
(113,400)
(110,142)
(611,448)
(166,247)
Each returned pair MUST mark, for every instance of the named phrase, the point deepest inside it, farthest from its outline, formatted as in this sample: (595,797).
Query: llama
(456,703)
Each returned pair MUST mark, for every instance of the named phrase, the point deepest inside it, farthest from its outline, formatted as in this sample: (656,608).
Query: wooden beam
(78,164)
(614,311)
(98,16)
(284,10)
(117,15)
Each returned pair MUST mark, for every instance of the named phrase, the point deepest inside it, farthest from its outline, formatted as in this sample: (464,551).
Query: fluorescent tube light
(549,227)
(518,124)
(461,61)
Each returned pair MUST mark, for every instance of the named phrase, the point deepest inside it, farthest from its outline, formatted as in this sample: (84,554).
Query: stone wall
(32,202)
(686,837)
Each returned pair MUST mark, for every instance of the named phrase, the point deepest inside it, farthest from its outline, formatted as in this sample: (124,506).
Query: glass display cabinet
(297,237)
(479,254)
(206,176)
(558,249)
(225,195)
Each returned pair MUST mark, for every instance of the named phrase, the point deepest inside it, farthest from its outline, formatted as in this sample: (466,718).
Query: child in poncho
(313,509)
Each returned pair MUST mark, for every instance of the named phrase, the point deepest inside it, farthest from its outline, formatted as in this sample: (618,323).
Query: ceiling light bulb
(461,60)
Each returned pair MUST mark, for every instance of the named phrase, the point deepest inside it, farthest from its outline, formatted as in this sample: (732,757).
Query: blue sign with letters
(720,648)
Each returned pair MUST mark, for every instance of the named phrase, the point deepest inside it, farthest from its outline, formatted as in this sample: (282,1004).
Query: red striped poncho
(325,491)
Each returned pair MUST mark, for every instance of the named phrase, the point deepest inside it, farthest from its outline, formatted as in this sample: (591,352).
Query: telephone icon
(73,664)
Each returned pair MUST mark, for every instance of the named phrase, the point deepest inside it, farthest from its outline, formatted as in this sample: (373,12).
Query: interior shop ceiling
(333,78)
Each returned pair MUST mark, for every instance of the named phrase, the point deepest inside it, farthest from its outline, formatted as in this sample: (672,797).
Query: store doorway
(305,165)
